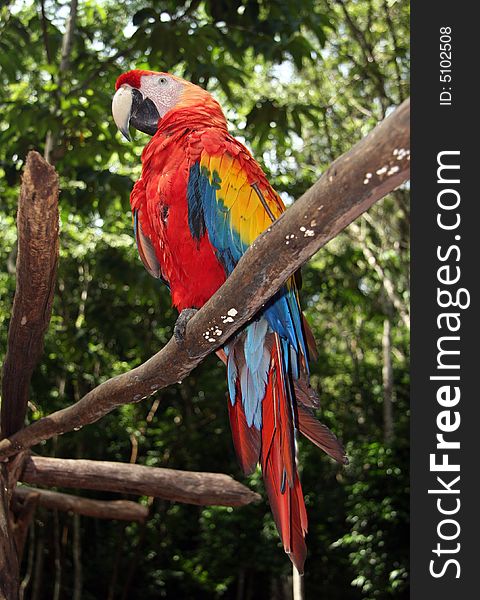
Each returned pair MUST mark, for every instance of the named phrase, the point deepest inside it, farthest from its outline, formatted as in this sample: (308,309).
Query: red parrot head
(143,98)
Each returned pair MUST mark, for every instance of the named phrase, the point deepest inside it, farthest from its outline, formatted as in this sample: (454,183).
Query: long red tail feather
(278,464)
(245,439)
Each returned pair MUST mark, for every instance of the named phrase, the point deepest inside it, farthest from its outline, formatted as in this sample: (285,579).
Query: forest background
(301,81)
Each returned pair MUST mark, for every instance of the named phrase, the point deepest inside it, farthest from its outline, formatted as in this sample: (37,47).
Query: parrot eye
(162,80)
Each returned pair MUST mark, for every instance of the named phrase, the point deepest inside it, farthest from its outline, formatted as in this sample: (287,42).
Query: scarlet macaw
(201,201)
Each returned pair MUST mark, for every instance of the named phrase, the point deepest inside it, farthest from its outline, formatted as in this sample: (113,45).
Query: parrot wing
(145,245)
(230,199)
(145,248)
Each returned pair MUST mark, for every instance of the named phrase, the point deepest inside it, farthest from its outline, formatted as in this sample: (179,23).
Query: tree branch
(387,282)
(99,70)
(370,170)
(123,510)
(396,49)
(371,65)
(67,41)
(36,270)
(179,486)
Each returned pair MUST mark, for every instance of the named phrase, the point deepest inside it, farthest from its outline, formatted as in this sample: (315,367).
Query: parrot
(200,202)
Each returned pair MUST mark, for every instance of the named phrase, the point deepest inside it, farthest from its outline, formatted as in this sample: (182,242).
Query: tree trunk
(116,562)
(37,225)
(36,268)
(387,376)
(134,563)
(30,563)
(241,584)
(57,586)
(52,138)
(38,572)
(77,559)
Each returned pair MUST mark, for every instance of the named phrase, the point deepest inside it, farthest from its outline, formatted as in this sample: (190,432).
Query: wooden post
(36,267)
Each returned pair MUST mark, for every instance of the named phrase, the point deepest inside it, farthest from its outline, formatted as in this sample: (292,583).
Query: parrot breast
(189,266)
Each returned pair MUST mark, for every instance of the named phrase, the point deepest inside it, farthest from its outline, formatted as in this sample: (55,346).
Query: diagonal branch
(36,270)
(189,487)
(370,170)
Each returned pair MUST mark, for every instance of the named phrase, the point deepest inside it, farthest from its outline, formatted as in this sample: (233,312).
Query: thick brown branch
(180,486)
(370,170)
(123,510)
(36,271)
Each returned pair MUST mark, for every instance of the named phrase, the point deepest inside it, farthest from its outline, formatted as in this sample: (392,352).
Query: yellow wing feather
(247,214)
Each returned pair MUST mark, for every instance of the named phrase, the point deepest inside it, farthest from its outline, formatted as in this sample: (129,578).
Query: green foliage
(300,81)
(378,540)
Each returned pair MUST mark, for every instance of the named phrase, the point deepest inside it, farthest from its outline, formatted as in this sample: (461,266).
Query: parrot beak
(130,107)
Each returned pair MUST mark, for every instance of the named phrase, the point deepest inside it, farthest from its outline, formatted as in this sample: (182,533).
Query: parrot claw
(180,327)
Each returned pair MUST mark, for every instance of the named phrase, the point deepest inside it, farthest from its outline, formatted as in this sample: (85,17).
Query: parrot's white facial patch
(162,90)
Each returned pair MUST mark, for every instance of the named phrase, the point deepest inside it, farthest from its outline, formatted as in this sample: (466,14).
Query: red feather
(320,434)
(132,78)
(278,464)
(246,439)
(161,193)
(284,415)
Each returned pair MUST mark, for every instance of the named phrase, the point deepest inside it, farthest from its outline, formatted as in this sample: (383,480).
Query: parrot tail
(267,405)
(277,458)
(262,420)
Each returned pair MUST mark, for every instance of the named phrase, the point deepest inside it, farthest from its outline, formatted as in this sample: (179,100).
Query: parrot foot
(180,327)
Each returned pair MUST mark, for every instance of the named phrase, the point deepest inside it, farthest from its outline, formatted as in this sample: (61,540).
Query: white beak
(121,109)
